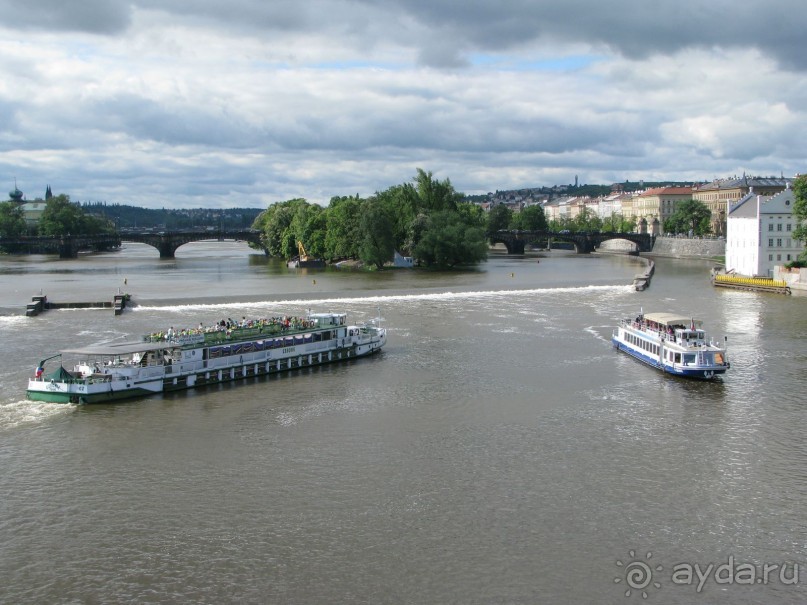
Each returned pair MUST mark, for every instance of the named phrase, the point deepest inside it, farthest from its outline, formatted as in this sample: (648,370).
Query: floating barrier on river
(40,304)
(760,284)
(641,281)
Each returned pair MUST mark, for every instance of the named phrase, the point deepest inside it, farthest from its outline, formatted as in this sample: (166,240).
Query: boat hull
(76,397)
(696,372)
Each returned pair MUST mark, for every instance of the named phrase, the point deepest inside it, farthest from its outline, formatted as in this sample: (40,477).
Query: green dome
(15,195)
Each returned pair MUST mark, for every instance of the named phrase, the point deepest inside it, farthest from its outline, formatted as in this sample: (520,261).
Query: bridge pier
(515,246)
(167,247)
(67,249)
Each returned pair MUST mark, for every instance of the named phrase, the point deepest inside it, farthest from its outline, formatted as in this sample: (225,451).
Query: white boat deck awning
(121,348)
(672,319)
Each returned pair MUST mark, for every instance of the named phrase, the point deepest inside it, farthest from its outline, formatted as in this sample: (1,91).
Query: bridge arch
(167,243)
(584,243)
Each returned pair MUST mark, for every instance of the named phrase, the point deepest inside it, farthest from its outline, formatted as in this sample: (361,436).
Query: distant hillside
(132,217)
(572,190)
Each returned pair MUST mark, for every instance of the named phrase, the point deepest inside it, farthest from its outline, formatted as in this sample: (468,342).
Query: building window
(770,226)
(789,227)
(779,227)
(778,257)
(779,243)
(788,257)
(770,243)
(770,257)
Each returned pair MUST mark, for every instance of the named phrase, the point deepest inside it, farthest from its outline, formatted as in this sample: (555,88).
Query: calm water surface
(497,451)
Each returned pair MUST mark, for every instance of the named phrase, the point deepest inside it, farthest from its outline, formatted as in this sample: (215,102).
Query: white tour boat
(191,358)
(671,343)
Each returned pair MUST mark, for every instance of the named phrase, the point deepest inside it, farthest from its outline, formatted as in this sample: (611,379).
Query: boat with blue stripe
(672,343)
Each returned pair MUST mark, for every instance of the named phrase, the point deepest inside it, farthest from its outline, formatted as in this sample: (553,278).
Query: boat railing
(66,380)
(224,335)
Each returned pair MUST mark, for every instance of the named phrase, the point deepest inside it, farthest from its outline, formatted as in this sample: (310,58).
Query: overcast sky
(189,103)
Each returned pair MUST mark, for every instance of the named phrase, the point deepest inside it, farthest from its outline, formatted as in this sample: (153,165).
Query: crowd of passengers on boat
(667,332)
(278,324)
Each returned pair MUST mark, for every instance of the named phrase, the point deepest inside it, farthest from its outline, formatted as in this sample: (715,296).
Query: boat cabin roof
(671,319)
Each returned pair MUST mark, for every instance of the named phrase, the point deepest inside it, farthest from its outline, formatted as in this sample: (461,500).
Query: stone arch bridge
(167,242)
(584,243)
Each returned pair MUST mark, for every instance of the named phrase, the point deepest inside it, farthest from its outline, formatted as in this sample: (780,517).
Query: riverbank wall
(688,248)
(796,279)
(674,247)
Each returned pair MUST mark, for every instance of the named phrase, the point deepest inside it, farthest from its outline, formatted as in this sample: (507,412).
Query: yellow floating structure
(764,284)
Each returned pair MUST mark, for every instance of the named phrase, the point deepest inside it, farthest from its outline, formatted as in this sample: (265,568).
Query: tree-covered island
(425,219)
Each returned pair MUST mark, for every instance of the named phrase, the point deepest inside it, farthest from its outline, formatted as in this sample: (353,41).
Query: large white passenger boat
(202,356)
(671,343)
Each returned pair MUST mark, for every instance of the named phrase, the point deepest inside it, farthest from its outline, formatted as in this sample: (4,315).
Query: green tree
(531,218)
(473,214)
(586,220)
(279,237)
(800,211)
(403,206)
(343,227)
(499,218)
(689,214)
(616,223)
(12,221)
(63,217)
(435,195)
(450,240)
(308,226)
(378,238)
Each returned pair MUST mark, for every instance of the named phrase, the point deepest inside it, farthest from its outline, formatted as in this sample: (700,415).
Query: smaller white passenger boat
(671,343)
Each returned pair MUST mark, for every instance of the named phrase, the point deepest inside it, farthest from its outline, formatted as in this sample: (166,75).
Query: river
(498,450)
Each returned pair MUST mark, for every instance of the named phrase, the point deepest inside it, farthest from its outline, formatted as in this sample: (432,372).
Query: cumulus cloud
(244,103)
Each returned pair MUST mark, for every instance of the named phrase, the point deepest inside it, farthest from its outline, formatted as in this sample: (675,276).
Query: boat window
(689,359)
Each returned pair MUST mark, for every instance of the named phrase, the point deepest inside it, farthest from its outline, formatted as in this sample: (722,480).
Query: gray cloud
(93,16)
(442,32)
(245,103)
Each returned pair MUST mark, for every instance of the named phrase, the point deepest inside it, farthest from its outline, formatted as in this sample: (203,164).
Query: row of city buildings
(753,215)
(650,207)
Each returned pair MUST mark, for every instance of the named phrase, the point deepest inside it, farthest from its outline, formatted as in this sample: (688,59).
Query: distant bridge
(515,241)
(167,242)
